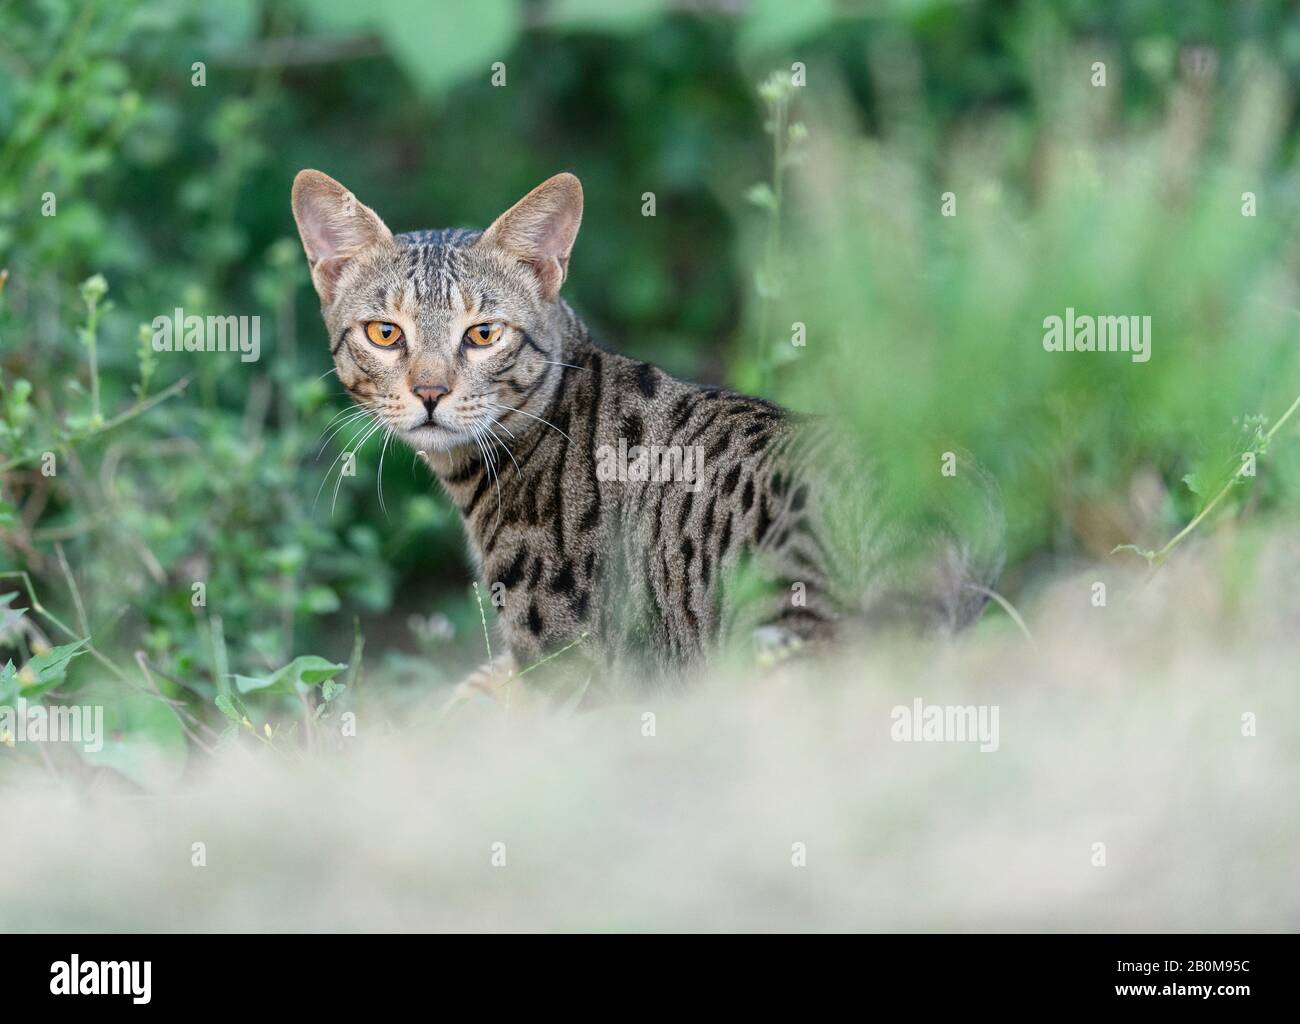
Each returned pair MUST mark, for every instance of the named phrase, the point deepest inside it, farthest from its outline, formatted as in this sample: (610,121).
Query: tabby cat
(458,342)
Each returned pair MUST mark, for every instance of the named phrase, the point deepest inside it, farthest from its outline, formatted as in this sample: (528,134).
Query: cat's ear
(334,225)
(539,230)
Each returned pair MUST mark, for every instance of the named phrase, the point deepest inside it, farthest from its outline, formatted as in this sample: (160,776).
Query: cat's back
(697,475)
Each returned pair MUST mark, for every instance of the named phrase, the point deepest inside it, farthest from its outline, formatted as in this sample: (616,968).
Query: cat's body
(637,563)
(535,436)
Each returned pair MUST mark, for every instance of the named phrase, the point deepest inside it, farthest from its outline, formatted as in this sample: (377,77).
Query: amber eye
(382,333)
(482,335)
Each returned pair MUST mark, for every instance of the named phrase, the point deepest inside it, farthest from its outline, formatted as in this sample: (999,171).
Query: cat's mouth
(429,421)
(435,435)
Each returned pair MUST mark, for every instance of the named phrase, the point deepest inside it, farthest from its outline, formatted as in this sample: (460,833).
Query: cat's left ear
(540,229)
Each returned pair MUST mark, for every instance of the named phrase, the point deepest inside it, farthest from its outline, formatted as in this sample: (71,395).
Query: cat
(458,342)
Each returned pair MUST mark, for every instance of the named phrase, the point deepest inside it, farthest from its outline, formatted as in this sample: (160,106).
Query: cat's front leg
(497,681)
(788,635)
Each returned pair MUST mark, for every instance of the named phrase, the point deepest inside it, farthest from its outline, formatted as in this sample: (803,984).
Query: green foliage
(306,671)
(435,45)
(147,746)
(42,673)
(129,475)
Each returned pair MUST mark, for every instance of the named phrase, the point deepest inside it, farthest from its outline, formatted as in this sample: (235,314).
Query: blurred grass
(923,332)
(1125,728)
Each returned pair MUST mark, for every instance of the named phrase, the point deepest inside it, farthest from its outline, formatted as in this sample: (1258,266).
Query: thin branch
(129,414)
(1156,558)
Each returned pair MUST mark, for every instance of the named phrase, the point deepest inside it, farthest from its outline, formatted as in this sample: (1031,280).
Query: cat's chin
(436,438)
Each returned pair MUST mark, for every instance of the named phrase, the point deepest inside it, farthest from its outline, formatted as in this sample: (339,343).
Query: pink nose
(429,393)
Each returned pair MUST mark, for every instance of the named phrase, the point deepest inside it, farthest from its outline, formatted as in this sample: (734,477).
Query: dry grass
(1124,728)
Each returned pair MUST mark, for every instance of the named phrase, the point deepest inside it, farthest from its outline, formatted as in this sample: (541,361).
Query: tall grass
(925,331)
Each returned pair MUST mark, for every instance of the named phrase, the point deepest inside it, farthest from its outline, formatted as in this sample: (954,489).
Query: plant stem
(92,329)
(483,618)
(556,654)
(358,645)
(777,110)
(40,609)
(107,425)
(1159,556)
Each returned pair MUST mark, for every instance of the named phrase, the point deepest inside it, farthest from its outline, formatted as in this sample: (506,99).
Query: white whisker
(554,362)
(342,452)
(379,473)
(357,414)
(374,428)
(488,428)
(523,412)
(490,463)
(344,412)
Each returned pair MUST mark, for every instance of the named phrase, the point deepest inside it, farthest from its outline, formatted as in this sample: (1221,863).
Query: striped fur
(651,570)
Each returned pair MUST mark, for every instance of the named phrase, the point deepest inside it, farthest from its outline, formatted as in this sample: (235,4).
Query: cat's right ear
(334,227)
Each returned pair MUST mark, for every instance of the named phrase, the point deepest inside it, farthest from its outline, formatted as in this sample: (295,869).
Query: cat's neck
(575,339)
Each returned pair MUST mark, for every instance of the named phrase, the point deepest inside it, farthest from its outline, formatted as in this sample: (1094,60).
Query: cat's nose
(430,393)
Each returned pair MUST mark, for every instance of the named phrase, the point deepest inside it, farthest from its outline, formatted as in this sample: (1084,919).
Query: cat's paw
(773,644)
(495,682)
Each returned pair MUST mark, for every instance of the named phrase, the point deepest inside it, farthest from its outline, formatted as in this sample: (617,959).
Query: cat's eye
(383,333)
(482,335)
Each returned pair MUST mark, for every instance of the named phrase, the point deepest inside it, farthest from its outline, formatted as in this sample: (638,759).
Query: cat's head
(442,335)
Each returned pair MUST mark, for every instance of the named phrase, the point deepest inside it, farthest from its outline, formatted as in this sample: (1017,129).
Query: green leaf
(1194,484)
(226,706)
(143,740)
(8,683)
(46,670)
(439,44)
(436,45)
(9,617)
(308,670)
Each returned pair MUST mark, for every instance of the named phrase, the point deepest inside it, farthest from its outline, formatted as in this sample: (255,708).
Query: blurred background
(861,210)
